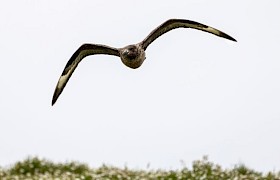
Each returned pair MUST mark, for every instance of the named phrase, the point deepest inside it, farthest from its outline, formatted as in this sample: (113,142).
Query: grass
(35,168)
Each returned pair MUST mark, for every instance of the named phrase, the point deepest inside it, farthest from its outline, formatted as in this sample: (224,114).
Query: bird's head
(130,52)
(132,56)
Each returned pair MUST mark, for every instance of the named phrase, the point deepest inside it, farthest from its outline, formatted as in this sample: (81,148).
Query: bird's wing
(82,52)
(180,23)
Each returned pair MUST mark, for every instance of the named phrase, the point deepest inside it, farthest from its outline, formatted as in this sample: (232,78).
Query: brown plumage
(132,55)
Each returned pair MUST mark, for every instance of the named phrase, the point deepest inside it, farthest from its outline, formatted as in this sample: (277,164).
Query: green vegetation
(34,168)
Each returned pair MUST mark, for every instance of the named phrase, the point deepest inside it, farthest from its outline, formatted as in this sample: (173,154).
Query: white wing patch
(63,79)
(82,52)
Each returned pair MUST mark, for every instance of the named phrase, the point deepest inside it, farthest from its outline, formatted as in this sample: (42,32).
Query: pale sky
(196,94)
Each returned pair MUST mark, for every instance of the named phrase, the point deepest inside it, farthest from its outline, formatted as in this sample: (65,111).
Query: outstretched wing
(180,23)
(82,52)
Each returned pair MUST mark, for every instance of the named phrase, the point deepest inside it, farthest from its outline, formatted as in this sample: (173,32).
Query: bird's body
(132,55)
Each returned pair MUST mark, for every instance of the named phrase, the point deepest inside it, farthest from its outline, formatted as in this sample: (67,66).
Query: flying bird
(132,55)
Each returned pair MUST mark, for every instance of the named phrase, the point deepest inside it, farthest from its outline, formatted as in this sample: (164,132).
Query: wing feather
(82,52)
(181,23)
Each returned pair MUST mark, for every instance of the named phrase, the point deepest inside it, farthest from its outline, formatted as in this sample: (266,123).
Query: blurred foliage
(35,168)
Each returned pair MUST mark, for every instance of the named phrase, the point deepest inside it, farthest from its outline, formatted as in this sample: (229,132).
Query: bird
(132,55)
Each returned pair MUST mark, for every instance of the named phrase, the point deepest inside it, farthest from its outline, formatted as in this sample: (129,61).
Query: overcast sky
(196,94)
